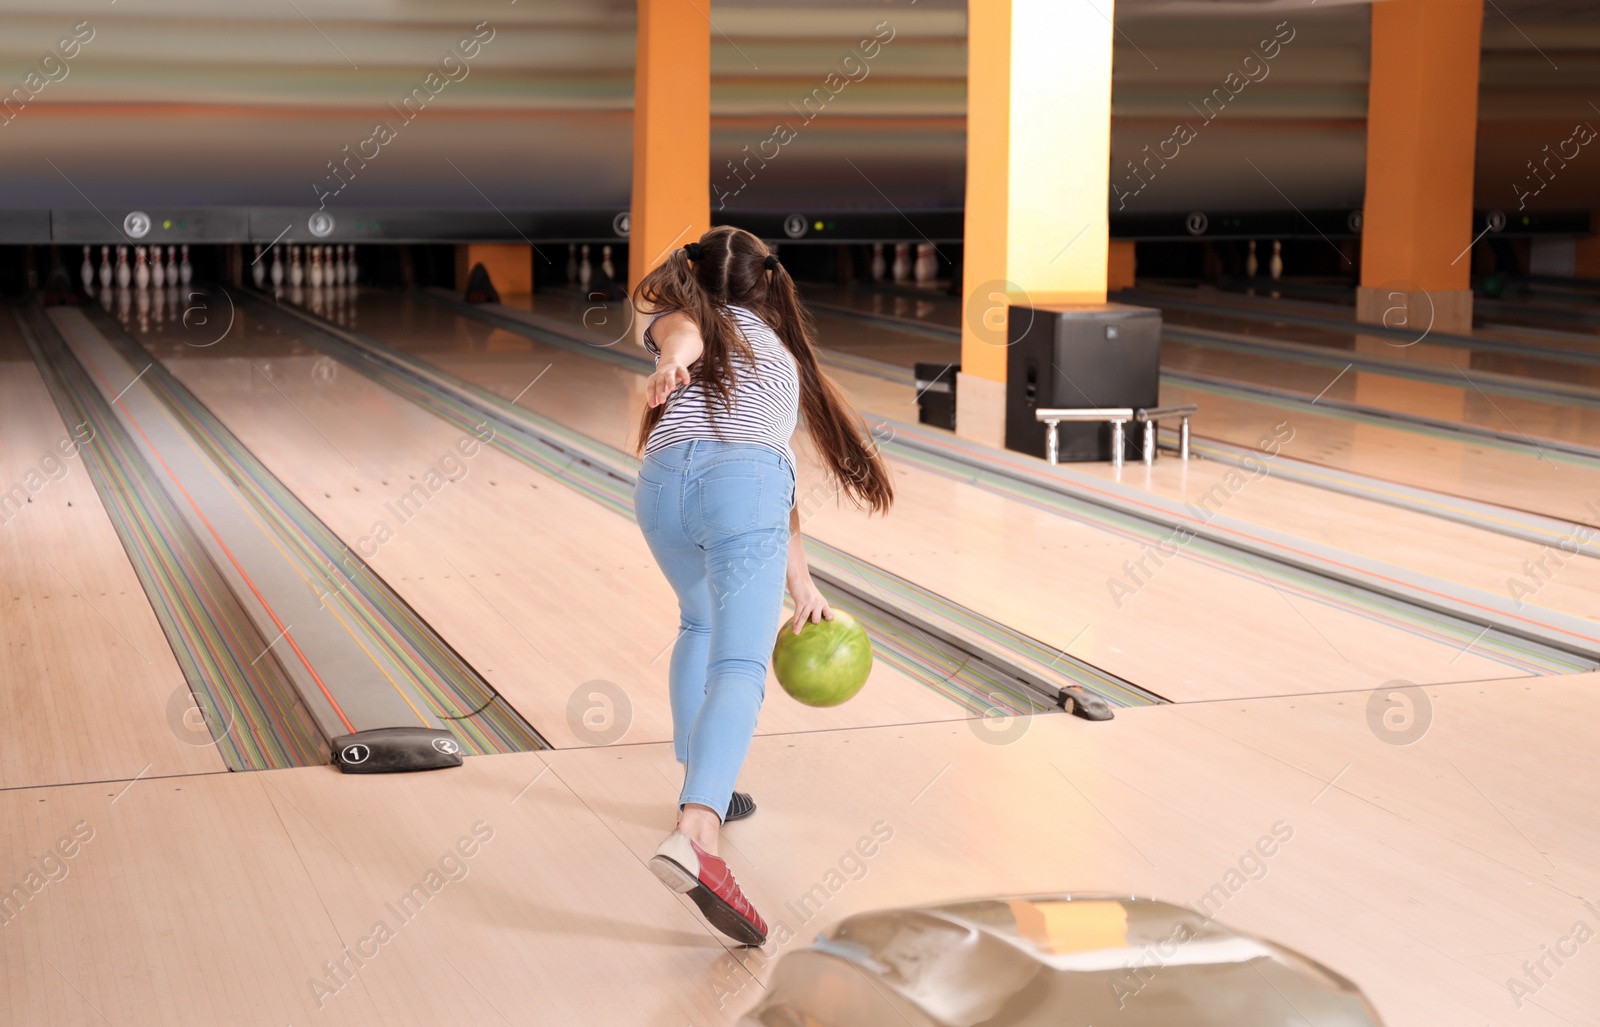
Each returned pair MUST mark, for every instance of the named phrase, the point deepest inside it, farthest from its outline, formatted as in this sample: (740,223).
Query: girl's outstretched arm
(678,339)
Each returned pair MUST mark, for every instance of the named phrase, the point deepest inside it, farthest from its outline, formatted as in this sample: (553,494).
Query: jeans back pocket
(647,505)
(730,500)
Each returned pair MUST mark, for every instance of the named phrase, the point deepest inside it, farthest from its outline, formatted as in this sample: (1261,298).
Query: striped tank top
(764,400)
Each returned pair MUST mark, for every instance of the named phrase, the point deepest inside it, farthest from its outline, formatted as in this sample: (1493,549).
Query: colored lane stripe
(283,631)
(481,719)
(1394,612)
(253,710)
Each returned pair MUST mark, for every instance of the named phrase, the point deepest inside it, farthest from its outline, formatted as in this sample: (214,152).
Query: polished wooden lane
(1465,401)
(89,688)
(1508,475)
(1512,476)
(1464,397)
(1533,365)
(1472,556)
(1221,634)
(554,599)
(1497,323)
(1427,872)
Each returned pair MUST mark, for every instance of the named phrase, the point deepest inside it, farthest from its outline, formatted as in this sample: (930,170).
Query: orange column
(1586,257)
(671,132)
(1122,265)
(1038,175)
(1422,123)
(510,265)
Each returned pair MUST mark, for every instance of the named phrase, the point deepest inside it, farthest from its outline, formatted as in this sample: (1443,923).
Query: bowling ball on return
(826,663)
(1492,286)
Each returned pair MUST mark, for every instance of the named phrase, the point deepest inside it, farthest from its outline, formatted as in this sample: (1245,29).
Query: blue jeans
(716,518)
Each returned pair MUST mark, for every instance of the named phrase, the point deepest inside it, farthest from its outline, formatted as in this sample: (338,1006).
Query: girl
(735,363)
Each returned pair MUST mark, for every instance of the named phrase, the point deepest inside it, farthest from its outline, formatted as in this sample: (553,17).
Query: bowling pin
(141,273)
(585,272)
(158,274)
(1252,265)
(1276,266)
(351,268)
(607,268)
(277,267)
(902,261)
(314,272)
(297,274)
(878,267)
(185,269)
(86,272)
(105,267)
(123,271)
(258,270)
(572,262)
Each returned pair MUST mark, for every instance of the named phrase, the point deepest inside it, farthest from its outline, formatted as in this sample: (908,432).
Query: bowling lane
(1540,366)
(1275,318)
(1475,557)
(1441,461)
(1513,476)
(1460,398)
(1464,401)
(932,308)
(1542,312)
(1509,475)
(554,599)
(1194,631)
(875,340)
(89,688)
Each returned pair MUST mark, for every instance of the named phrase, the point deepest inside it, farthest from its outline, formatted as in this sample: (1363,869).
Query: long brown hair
(732,270)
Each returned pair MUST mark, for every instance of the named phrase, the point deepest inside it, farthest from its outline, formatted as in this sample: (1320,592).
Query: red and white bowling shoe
(688,869)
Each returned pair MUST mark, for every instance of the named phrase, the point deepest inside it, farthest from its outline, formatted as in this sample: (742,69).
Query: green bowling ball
(827,663)
(1493,286)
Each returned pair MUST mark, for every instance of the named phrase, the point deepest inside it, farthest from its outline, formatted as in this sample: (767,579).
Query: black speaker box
(1072,355)
(936,394)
